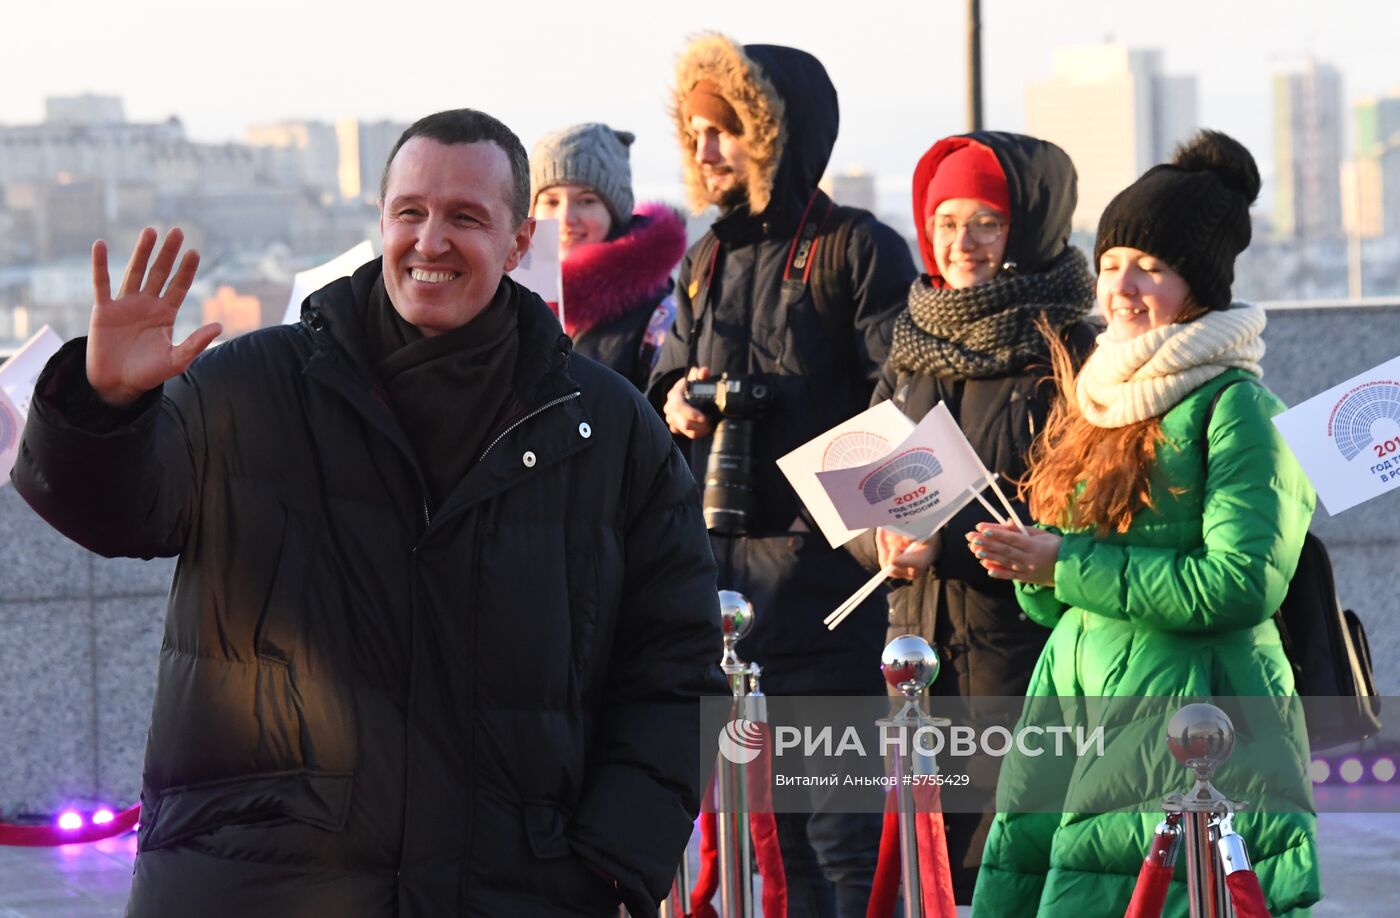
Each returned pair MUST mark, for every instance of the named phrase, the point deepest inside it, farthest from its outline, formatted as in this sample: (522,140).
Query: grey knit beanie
(590,154)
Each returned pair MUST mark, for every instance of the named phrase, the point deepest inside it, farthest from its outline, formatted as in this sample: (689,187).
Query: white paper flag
(867,436)
(1347,439)
(917,487)
(539,270)
(309,281)
(18,374)
(11,426)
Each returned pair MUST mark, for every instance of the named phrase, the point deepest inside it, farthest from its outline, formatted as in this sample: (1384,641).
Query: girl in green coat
(1173,518)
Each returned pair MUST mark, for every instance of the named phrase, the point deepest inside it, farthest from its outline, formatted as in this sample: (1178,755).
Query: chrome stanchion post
(731,787)
(1201,737)
(676,904)
(910,665)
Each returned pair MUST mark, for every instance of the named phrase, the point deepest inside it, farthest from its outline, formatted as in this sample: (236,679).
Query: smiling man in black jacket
(794,294)
(444,603)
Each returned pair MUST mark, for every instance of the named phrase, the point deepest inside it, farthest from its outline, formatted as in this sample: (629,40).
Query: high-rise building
(1308,152)
(304,153)
(111,150)
(85,109)
(1361,197)
(1115,113)
(1371,179)
(1377,120)
(364,148)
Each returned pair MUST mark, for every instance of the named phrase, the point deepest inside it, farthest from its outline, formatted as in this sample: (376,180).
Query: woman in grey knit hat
(616,263)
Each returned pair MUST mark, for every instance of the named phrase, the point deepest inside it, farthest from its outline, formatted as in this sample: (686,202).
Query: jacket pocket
(564,875)
(583,584)
(544,830)
(320,799)
(276,634)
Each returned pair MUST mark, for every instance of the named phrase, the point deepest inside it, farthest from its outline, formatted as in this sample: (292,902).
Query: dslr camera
(734,404)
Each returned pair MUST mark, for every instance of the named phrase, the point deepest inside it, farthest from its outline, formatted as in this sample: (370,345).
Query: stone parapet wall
(79,634)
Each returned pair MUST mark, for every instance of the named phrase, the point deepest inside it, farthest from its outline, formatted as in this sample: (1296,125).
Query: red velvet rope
(1246,895)
(707,880)
(52,836)
(1150,893)
(885,891)
(764,830)
(935,869)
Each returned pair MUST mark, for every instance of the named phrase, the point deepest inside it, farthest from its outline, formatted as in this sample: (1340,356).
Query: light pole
(974,65)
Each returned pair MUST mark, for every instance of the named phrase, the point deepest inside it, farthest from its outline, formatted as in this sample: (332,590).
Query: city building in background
(295,193)
(299,152)
(1116,114)
(364,149)
(258,211)
(87,109)
(852,187)
(1308,130)
(1371,178)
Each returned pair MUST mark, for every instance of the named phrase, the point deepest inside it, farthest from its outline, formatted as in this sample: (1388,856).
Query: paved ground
(1359,854)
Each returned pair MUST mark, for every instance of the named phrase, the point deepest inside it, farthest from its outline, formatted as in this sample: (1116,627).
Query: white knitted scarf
(1126,381)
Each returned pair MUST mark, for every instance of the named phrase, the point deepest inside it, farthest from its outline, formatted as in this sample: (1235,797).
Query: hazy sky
(898,66)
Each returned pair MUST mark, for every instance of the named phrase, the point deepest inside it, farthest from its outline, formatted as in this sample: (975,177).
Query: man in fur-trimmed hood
(756,124)
(778,101)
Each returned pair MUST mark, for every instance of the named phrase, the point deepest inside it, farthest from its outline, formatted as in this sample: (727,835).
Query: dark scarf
(989,329)
(447,389)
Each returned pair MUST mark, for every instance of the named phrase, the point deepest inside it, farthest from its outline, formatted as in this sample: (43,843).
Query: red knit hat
(971,171)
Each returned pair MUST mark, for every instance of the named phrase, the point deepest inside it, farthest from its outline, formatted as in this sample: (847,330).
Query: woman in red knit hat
(992,212)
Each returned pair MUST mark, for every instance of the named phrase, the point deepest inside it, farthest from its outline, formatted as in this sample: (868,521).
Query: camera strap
(804,244)
(801,257)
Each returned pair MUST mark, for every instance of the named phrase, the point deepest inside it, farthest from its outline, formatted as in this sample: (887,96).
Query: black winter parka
(362,710)
(823,366)
(988,647)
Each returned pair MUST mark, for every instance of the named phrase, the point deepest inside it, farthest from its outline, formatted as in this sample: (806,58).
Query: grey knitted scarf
(989,329)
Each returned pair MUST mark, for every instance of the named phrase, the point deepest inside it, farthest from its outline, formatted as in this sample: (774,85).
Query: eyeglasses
(983,228)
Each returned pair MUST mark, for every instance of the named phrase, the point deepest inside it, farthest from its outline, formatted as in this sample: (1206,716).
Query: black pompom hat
(1192,213)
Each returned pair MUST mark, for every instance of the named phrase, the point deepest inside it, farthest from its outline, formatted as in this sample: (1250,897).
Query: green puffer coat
(1179,606)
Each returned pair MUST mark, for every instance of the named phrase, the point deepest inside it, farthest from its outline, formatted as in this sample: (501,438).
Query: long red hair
(1083,476)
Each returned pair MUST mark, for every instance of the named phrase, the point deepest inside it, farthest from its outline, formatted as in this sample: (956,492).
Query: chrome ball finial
(736,620)
(736,615)
(909,664)
(1201,737)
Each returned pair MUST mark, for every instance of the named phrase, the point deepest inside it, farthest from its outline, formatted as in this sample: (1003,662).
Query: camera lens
(729,498)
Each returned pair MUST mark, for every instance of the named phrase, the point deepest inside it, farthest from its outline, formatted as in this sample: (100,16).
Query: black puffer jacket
(362,711)
(824,365)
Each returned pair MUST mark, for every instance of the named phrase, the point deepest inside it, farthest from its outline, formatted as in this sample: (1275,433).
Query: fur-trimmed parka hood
(1040,183)
(786,104)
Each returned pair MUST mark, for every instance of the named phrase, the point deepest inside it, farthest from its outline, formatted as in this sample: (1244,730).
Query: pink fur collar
(609,279)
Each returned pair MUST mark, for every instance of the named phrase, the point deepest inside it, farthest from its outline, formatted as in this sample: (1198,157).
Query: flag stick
(977,493)
(992,480)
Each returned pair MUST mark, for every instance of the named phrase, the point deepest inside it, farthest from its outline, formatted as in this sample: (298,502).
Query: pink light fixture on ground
(102,817)
(70,820)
